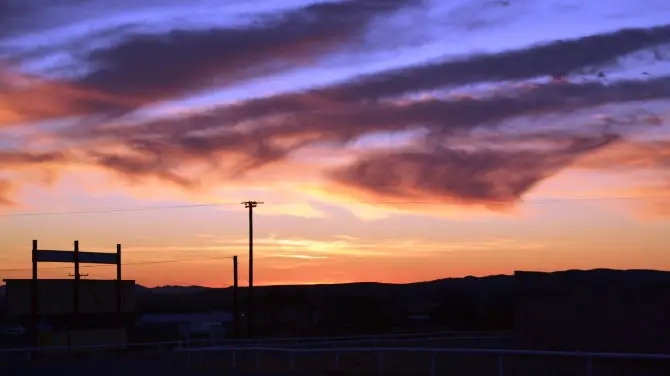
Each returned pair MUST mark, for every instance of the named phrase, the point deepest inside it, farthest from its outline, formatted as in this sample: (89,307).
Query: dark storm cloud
(21,16)
(11,13)
(162,158)
(15,159)
(332,121)
(166,64)
(134,167)
(158,66)
(144,68)
(480,176)
(164,147)
(10,159)
(558,58)
(445,116)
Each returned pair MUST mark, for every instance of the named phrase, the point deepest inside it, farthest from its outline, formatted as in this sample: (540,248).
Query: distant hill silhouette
(468,303)
(171,289)
(419,296)
(493,283)
(501,283)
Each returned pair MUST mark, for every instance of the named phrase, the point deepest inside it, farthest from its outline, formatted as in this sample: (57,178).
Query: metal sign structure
(44,255)
(75,257)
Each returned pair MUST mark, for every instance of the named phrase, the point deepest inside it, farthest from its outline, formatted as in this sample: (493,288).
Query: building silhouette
(605,311)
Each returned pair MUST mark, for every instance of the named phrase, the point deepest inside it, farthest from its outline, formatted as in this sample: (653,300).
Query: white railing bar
(76,347)
(311,340)
(308,340)
(367,341)
(576,354)
(367,336)
(194,341)
(259,341)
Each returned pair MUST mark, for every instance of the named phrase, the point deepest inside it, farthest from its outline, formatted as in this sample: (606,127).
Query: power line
(130,263)
(28,212)
(111,210)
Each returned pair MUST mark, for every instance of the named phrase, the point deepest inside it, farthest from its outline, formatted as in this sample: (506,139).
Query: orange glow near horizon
(310,232)
(382,160)
(340,246)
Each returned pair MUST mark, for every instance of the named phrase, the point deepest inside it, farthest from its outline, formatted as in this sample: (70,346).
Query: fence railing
(243,342)
(375,342)
(292,354)
(380,354)
(349,339)
(367,336)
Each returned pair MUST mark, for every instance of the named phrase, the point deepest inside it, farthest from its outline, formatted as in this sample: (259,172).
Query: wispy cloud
(304,257)
(217,57)
(324,248)
(485,176)
(6,190)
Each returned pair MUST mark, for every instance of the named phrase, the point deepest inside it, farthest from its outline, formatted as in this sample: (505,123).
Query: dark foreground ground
(325,362)
(399,364)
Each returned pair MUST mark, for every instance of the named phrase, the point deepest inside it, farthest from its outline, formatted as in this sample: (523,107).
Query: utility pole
(250,314)
(77,278)
(33,296)
(235,308)
(119,287)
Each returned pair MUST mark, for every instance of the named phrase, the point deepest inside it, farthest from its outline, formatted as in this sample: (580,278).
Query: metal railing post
(380,359)
(291,359)
(337,360)
(433,368)
(589,366)
(234,360)
(501,366)
(258,359)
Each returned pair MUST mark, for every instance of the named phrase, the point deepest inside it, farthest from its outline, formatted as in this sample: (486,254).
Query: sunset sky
(390,140)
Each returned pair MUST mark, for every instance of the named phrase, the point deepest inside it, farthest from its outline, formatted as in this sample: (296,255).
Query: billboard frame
(75,257)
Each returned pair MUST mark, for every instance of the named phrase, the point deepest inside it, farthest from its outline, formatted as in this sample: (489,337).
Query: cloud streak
(21,159)
(142,69)
(156,66)
(13,161)
(159,148)
(136,67)
(326,113)
(27,99)
(558,59)
(6,192)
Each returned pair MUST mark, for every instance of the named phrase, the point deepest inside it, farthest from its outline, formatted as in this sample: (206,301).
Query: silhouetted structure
(98,319)
(606,311)
(236,320)
(73,310)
